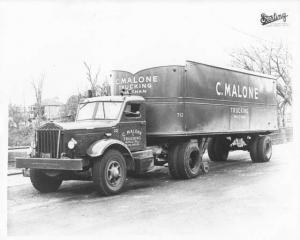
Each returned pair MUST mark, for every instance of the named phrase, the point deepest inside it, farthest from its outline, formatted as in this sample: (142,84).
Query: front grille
(47,142)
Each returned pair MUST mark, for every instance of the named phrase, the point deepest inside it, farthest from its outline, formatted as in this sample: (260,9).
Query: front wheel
(109,173)
(42,182)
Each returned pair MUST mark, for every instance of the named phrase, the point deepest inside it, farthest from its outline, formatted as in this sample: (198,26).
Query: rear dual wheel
(218,149)
(184,160)
(261,149)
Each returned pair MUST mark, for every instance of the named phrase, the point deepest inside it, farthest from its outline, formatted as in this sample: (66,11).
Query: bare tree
(38,90)
(274,60)
(92,78)
(98,89)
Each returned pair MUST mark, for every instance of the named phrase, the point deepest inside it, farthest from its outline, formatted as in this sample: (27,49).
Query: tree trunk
(283,116)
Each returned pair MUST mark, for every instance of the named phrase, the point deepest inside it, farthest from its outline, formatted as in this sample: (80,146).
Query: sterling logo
(266,19)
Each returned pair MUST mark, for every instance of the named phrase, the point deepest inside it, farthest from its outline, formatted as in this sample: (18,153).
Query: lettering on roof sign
(138,84)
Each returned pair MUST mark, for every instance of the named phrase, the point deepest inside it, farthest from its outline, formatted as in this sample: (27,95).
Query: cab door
(133,126)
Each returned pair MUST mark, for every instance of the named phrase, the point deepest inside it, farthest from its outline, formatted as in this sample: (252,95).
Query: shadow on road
(238,164)
(156,178)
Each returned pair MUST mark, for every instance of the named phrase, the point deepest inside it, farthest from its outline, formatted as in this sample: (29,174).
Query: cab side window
(132,110)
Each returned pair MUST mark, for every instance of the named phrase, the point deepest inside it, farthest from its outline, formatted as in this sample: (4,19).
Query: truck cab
(107,140)
(123,117)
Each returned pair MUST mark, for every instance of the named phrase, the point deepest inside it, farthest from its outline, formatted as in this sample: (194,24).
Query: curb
(18,147)
(14,173)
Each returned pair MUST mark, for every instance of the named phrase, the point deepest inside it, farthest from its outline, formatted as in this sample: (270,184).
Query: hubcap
(114,173)
(194,162)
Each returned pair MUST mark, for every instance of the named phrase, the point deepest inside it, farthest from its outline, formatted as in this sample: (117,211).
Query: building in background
(51,109)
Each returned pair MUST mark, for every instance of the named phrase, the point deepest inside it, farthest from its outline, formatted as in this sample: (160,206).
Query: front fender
(98,148)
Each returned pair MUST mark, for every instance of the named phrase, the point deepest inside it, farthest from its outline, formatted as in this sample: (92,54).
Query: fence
(282,135)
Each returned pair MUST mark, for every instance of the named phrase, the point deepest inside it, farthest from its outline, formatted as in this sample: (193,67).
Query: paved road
(235,200)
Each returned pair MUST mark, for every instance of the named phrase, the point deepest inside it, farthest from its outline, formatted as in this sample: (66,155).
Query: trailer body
(199,99)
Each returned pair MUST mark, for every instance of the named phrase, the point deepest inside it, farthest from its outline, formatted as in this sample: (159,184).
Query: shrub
(20,137)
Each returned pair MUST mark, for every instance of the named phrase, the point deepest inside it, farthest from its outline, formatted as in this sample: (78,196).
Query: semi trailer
(167,115)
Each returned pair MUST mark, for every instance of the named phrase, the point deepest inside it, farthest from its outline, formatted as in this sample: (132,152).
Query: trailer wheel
(261,149)
(253,149)
(218,149)
(189,160)
(42,182)
(172,161)
(109,173)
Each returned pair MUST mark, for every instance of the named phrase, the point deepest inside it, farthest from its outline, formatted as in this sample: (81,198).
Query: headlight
(72,143)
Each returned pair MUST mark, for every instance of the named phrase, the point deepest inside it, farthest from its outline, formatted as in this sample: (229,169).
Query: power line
(248,34)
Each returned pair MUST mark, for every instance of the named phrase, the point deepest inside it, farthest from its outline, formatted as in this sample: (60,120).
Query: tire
(109,173)
(172,161)
(218,149)
(187,163)
(261,149)
(42,182)
(253,149)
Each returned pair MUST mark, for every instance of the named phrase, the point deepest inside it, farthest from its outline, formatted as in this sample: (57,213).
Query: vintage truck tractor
(107,140)
(175,114)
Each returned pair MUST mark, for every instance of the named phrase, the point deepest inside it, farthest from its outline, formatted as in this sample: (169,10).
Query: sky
(53,38)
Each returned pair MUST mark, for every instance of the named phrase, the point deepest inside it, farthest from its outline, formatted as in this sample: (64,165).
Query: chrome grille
(49,141)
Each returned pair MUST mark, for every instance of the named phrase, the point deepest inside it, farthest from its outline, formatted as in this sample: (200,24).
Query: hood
(88,124)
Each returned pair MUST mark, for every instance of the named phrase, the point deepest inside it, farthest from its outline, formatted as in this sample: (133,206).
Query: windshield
(86,111)
(108,110)
(105,110)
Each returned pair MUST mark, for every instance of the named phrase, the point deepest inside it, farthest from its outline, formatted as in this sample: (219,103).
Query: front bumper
(52,163)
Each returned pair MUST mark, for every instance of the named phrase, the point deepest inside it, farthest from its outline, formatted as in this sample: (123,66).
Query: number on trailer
(180,114)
